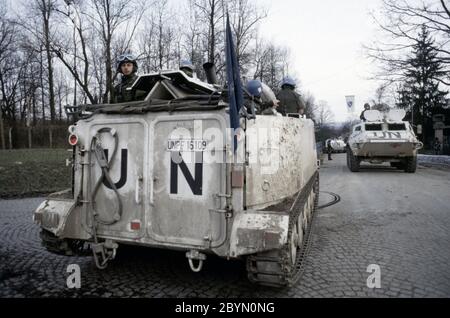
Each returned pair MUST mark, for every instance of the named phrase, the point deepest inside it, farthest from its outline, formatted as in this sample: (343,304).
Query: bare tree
(192,42)
(89,61)
(211,13)
(37,22)
(159,42)
(67,48)
(400,22)
(13,64)
(46,9)
(324,115)
(271,63)
(147,45)
(245,17)
(311,107)
(108,17)
(17,73)
(62,91)
(6,38)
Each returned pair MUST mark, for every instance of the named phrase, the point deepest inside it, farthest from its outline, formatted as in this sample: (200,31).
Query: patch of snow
(434,160)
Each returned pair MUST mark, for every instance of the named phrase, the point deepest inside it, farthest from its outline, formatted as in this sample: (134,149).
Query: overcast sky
(326,38)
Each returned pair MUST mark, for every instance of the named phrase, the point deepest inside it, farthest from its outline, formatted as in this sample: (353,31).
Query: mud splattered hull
(386,148)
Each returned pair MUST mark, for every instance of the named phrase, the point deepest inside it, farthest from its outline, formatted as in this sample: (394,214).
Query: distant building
(441,126)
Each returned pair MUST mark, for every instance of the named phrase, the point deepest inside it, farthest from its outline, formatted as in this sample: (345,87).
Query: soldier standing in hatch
(187,67)
(366,107)
(290,100)
(127,66)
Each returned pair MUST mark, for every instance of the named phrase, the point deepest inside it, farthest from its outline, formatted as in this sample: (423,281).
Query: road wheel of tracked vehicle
(353,162)
(411,164)
(278,268)
(294,245)
(283,267)
(301,233)
(304,221)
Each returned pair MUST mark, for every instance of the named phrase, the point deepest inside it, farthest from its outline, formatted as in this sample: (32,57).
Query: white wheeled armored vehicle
(163,173)
(337,145)
(383,137)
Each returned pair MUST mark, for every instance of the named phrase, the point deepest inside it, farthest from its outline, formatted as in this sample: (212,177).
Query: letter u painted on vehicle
(123,171)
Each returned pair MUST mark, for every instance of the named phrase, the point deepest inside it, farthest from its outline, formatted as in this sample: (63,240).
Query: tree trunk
(109,76)
(75,67)
(10,138)
(2,132)
(50,136)
(160,44)
(41,71)
(29,138)
(34,107)
(212,33)
(108,39)
(60,102)
(46,15)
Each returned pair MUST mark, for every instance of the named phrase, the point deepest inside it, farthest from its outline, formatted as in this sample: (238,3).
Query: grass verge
(31,172)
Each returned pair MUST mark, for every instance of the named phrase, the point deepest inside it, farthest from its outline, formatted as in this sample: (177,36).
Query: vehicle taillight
(73,140)
(135,225)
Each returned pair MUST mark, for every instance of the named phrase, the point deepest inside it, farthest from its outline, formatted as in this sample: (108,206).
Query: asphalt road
(398,221)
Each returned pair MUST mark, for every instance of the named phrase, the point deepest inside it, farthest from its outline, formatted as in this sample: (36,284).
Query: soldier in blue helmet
(188,68)
(127,66)
(290,100)
(254,87)
(262,96)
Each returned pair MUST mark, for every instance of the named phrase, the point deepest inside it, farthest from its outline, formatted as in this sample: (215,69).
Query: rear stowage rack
(199,103)
(74,112)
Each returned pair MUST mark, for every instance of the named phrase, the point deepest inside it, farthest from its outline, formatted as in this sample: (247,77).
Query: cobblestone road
(398,221)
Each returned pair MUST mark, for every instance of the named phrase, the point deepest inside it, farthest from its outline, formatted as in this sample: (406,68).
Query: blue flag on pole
(236,97)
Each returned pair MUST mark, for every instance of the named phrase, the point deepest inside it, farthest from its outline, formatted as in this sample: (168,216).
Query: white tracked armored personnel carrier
(162,173)
(383,137)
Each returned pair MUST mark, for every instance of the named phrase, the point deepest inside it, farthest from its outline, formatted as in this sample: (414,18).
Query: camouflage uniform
(263,104)
(261,107)
(290,101)
(123,92)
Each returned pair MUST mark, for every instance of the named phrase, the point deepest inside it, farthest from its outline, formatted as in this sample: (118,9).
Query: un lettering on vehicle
(186,168)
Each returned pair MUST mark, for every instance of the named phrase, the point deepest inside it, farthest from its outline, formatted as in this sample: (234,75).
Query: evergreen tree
(404,98)
(421,92)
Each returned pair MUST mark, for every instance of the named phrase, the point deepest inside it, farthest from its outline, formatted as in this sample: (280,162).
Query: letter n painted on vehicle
(195,183)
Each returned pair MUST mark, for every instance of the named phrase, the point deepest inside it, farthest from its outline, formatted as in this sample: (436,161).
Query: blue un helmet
(254,87)
(126,58)
(288,81)
(187,67)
